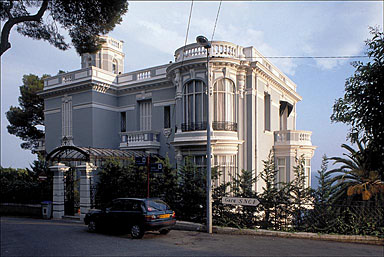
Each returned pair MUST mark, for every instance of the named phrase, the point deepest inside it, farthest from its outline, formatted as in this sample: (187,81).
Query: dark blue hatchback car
(134,215)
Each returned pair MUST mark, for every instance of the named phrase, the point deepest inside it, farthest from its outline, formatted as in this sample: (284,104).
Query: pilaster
(85,187)
(179,104)
(241,118)
(251,122)
(58,190)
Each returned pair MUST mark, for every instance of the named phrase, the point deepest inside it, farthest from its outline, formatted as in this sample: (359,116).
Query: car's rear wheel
(137,231)
(164,231)
(92,226)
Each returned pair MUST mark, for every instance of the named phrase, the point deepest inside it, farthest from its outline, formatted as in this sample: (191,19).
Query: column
(85,188)
(179,159)
(251,122)
(58,190)
(179,103)
(241,120)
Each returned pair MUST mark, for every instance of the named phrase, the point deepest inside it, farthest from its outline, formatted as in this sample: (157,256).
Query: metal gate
(71,193)
(92,193)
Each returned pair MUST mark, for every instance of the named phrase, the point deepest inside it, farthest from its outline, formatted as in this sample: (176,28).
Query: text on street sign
(240,201)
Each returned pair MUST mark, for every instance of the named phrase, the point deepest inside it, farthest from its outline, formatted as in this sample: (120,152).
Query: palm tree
(354,175)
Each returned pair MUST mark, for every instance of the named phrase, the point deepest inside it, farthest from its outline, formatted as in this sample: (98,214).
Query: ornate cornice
(272,80)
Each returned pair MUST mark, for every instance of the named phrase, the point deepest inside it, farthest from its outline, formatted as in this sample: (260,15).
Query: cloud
(157,36)
(246,36)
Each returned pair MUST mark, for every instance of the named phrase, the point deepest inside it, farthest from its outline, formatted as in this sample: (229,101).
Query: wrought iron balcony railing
(224,125)
(193,126)
(216,125)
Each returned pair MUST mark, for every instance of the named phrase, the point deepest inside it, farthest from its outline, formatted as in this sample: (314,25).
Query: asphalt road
(34,237)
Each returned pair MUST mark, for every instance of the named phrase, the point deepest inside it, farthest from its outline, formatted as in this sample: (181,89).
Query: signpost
(156,167)
(140,161)
(240,201)
(151,167)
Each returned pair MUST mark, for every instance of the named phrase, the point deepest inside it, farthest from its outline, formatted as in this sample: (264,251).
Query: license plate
(164,216)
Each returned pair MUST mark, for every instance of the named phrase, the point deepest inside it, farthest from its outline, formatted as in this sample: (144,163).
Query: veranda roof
(76,153)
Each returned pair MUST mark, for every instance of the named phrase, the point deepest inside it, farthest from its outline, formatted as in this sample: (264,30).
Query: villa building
(163,110)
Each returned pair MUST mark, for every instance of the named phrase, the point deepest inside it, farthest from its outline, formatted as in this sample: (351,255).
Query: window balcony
(193,126)
(224,125)
(143,140)
(216,125)
(292,137)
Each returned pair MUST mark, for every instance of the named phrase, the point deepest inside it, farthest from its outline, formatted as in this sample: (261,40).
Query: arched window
(194,106)
(224,102)
(114,66)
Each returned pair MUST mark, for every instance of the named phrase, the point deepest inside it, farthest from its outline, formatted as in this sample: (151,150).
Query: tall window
(224,115)
(89,61)
(66,116)
(145,108)
(307,167)
(123,121)
(167,116)
(226,168)
(114,66)
(199,162)
(281,167)
(267,112)
(195,106)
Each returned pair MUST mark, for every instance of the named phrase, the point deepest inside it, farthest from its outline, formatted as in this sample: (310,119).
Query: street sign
(140,161)
(156,167)
(240,201)
(42,177)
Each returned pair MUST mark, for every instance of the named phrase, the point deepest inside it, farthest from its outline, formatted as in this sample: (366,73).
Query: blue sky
(152,31)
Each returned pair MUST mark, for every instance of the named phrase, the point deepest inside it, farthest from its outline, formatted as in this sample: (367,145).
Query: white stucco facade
(163,109)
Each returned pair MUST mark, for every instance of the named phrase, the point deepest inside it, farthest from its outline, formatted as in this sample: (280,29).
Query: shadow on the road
(120,234)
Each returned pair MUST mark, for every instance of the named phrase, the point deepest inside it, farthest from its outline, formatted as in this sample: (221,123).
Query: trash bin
(46,209)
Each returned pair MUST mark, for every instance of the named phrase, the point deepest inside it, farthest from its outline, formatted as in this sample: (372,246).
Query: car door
(113,214)
(133,214)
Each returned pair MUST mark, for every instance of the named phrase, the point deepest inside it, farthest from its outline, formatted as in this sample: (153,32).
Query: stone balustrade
(218,49)
(293,137)
(87,74)
(140,140)
(144,75)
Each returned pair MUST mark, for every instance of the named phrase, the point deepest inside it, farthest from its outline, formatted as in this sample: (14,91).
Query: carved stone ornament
(241,85)
(66,141)
(179,156)
(167,132)
(176,82)
(101,87)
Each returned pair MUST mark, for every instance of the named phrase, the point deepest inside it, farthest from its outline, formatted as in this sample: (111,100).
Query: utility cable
(217,17)
(182,58)
(310,57)
(186,35)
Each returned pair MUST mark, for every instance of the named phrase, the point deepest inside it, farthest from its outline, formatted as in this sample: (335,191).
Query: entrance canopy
(75,153)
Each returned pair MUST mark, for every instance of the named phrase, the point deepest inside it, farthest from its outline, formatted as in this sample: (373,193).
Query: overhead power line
(186,35)
(217,17)
(312,57)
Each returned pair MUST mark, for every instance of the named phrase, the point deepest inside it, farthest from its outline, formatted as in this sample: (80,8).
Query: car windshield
(157,205)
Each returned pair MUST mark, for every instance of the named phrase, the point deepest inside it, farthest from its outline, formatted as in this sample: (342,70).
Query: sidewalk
(190,226)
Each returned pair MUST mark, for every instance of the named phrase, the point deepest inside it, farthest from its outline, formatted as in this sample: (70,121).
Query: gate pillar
(85,187)
(58,190)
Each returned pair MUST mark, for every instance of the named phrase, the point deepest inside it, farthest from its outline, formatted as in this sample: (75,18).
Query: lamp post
(203,41)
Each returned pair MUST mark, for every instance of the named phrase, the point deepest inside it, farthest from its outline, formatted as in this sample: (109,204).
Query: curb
(190,226)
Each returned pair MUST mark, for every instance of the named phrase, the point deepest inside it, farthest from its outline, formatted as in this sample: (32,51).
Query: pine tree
(322,214)
(192,191)
(269,196)
(299,194)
